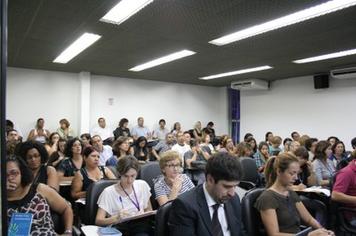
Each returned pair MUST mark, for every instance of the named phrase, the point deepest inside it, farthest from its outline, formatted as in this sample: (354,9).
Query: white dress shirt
(221,212)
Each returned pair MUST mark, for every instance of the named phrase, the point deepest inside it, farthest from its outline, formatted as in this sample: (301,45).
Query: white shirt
(221,212)
(104,133)
(105,155)
(112,202)
(181,150)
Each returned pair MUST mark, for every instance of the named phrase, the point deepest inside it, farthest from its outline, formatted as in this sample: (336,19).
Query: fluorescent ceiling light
(303,15)
(162,60)
(236,72)
(327,56)
(124,10)
(77,47)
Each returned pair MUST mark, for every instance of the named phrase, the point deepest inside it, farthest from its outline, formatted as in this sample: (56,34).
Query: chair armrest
(76,231)
(247,185)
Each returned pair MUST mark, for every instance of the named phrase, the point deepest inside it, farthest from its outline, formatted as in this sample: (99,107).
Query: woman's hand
(10,186)
(321,232)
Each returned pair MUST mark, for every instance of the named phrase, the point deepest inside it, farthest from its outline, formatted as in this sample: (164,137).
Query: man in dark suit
(213,208)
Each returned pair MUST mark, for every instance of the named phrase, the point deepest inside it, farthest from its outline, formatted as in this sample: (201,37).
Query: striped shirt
(162,188)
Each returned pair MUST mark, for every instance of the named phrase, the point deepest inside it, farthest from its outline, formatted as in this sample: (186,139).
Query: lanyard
(136,203)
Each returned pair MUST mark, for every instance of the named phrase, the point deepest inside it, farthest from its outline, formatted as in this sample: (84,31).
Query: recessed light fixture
(236,72)
(303,15)
(326,56)
(124,10)
(79,45)
(162,60)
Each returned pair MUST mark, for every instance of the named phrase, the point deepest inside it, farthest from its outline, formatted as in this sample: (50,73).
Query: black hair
(210,123)
(261,144)
(161,120)
(353,143)
(223,166)
(26,174)
(123,121)
(335,144)
(68,150)
(287,140)
(50,137)
(267,134)
(10,130)
(309,142)
(86,135)
(28,145)
(293,133)
(10,124)
(247,135)
(333,137)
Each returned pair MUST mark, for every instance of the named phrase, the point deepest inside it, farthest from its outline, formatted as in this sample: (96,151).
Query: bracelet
(68,231)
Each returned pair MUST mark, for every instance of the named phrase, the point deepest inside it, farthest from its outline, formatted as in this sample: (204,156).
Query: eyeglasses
(174,166)
(12,173)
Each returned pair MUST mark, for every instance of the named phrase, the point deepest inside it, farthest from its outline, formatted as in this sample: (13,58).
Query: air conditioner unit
(251,84)
(347,73)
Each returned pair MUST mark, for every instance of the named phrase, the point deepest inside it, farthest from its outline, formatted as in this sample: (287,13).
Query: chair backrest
(249,170)
(250,215)
(161,227)
(316,208)
(148,172)
(92,196)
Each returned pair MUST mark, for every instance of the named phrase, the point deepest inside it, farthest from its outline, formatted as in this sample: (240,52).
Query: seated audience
(176,129)
(90,173)
(104,131)
(322,166)
(73,161)
(23,196)
(171,183)
(209,130)
(140,149)
(140,130)
(123,129)
(10,125)
(121,148)
(243,150)
(261,156)
(295,136)
(52,143)
(306,175)
(338,156)
(344,189)
(181,146)
(195,161)
(280,208)
(310,145)
(332,140)
(253,144)
(64,130)
(274,148)
(197,132)
(161,132)
(56,157)
(39,133)
(86,139)
(128,197)
(206,142)
(187,137)
(207,208)
(36,156)
(286,144)
(227,145)
(163,146)
(12,135)
(105,151)
(268,137)
(303,139)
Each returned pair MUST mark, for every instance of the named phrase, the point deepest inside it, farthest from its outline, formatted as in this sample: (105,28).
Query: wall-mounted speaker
(321,81)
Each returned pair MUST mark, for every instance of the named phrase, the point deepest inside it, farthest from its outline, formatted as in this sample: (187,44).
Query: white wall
(55,95)
(294,104)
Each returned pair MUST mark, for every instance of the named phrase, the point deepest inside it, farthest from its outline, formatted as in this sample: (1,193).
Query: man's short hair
(353,143)
(223,166)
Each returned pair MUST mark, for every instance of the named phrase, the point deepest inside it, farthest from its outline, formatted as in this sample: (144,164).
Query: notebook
(20,224)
